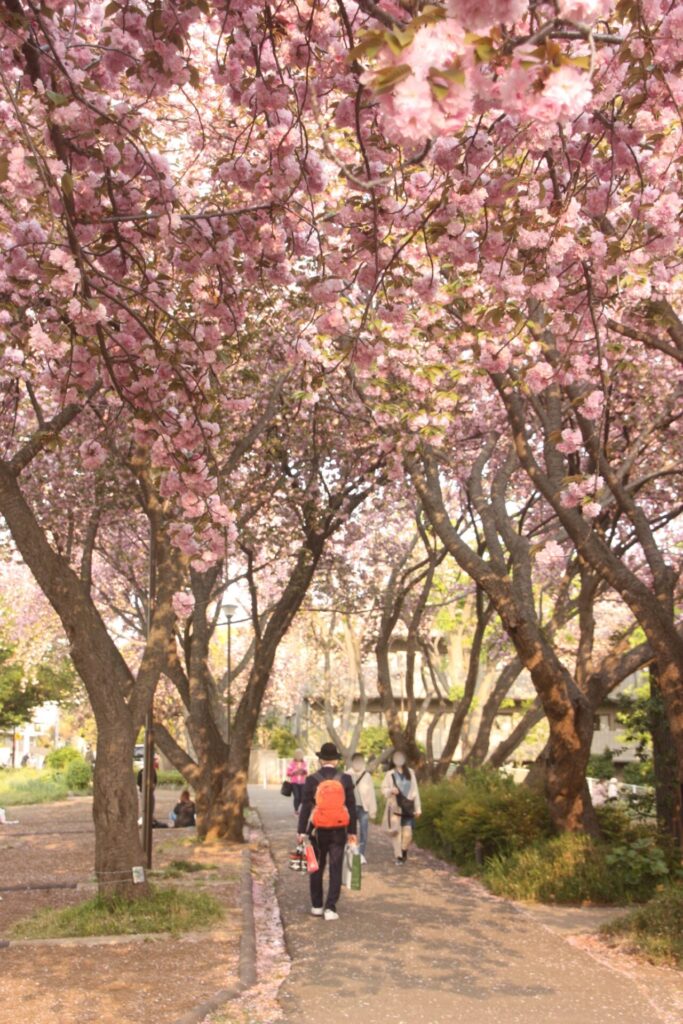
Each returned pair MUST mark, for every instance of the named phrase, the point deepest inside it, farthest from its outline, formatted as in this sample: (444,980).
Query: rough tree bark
(118,699)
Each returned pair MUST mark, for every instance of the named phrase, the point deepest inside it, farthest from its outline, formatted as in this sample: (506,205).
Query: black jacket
(308,801)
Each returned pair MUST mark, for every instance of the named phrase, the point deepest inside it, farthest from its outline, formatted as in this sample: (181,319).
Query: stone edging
(247,963)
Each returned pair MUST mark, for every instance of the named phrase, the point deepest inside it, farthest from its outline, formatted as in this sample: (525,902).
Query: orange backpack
(330,809)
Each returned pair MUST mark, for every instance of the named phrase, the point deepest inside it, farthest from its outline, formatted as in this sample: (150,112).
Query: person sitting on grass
(184,811)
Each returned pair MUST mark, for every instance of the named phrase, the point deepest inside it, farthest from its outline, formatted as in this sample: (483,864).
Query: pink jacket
(297,771)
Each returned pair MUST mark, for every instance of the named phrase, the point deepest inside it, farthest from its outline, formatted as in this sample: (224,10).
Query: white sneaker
(363,859)
(331,915)
(317,911)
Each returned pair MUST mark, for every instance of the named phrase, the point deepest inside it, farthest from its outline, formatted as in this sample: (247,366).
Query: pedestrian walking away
(297,772)
(327,816)
(403,806)
(366,801)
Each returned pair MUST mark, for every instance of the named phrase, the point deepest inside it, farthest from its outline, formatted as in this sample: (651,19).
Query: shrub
(480,807)
(283,740)
(58,760)
(374,740)
(655,929)
(639,863)
(574,868)
(170,778)
(78,775)
(639,773)
(601,766)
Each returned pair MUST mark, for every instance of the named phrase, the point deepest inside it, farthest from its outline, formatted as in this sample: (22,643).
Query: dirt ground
(126,982)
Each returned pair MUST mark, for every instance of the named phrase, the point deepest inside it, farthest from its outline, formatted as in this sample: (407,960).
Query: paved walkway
(419,945)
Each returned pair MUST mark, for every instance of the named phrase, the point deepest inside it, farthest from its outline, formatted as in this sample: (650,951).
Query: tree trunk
(115,811)
(567,754)
(667,786)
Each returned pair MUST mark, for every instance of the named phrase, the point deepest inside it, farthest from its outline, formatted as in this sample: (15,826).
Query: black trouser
(298,794)
(328,843)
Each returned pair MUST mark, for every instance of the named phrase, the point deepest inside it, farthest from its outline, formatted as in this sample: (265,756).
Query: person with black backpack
(328,817)
(403,806)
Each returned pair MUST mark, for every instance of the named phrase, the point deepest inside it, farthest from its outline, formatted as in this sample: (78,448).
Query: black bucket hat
(328,752)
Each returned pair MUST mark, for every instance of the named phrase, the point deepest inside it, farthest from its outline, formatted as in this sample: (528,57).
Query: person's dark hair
(185,792)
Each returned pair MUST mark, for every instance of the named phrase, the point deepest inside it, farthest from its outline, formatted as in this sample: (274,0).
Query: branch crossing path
(419,945)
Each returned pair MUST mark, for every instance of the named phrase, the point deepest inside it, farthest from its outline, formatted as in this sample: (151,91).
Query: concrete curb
(247,963)
(248,973)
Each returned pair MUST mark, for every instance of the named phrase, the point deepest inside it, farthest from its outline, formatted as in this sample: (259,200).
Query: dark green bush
(58,760)
(374,740)
(480,807)
(283,740)
(639,773)
(575,868)
(170,778)
(616,824)
(78,775)
(601,766)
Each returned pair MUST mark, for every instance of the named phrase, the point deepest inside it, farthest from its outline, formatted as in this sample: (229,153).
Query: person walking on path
(366,801)
(297,772)
(328,816)
(403,805)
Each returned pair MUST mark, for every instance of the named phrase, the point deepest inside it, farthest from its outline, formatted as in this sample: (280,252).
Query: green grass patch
(656,929)
(165,910)
(31,786)
(178,868)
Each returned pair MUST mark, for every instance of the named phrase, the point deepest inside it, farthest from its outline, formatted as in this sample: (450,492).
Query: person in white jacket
(366,801)
(403,805)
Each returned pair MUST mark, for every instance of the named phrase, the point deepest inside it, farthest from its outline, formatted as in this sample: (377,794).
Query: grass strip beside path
(165,910)
(30,786)
(655,929)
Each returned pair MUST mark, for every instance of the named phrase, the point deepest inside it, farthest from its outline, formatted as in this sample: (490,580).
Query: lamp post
(229,610)
(148,764)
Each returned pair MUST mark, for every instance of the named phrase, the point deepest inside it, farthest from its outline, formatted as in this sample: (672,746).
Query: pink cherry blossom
(183,604)
(584,11)
(551,557)
(478,15)
(93,455)
(571,441)
(591,407)
(565,95)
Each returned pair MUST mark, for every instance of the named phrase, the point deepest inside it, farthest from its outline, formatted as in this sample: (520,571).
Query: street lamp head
(229,610)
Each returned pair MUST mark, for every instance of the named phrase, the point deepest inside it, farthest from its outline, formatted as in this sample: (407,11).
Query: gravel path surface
(419,945)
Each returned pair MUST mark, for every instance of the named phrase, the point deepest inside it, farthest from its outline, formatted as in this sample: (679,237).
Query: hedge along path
(420,945)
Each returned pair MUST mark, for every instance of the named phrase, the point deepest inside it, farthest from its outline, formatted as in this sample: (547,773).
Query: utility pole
(229,610)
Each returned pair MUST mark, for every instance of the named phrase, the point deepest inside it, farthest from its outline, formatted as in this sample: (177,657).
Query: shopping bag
(346,869)
(355,869)
(351,868)
(311,859)
(286,788)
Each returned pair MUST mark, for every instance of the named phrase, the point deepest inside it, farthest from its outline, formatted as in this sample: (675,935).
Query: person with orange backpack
(328,816)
